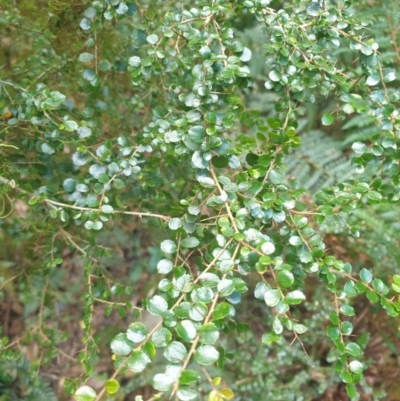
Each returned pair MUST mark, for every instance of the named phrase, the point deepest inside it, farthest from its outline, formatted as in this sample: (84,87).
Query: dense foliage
(221,179)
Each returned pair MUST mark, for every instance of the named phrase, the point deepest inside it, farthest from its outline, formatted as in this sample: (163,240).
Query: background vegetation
(199,200)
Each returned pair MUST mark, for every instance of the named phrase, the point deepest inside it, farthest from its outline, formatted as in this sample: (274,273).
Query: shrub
(177,123)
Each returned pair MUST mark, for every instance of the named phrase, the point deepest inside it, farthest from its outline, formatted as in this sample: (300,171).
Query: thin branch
(227,207)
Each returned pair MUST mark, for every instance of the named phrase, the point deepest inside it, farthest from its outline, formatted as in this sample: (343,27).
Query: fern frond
(318,162)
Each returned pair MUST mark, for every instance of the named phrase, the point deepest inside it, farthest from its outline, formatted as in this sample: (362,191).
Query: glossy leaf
(85,393)
(186,330)
(285,278)
(121,345)
(175,352)
(206,355)
(112,386)
(138,360)
(272,297)
(136,332)
(161,337)
(157,305)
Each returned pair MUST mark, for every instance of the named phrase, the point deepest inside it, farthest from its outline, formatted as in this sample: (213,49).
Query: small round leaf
(120,345)
(206,355)
(175,352)
(85,393)
(168,246)
(137,332)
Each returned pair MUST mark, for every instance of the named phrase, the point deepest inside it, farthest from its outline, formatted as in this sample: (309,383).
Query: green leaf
(209,280)
(269,338)
(122,8)
(347,310)
(372,296)
(152,39)
(162,337)
(365,276)
(275,76)
(138,361)
(220,161)
(197,133)
(396,287)
(374,196)
(221,310)
(277,326)
(351,391)
(186,394)
(190,242)
(46,148)
(390,76)
(163,382)
(313,8)
(346,376)
(205,52)
(107,209)
(346,328)
(373,80)
(276,177)
(246,55)
(206,355)
(209,333)
(295,297)
(198,311)
(69,184)
(104,65)
(157,305)
(103,178)
(226,287)
(164,266)
(120,345)
(89,74)
(85,393)
(260,290)
(183,283)
(333,332)
(175,352)
(112,386)
(350,289)
(227,393)
(86,57)
(165,285)
(285,278)
(186,330)
(295,240)
(272,297)
(70,125)
(359,147)
(135,61)
(353,349)
(356,366)
(194,210)
(327,119)
(334,318)
(149,349)
(299,328)
(379,286)
(396,279)
(175,223)
(85,25)
(137,332)
(268,248)
(396,283)
(84,132)
(168,246)
(189,376)
(203,294)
